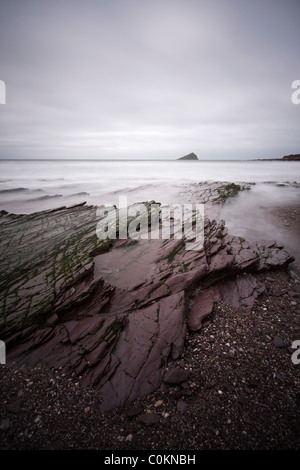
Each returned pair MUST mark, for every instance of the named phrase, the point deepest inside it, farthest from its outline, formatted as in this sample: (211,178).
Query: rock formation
(190,156)
(292,157)
(66,303)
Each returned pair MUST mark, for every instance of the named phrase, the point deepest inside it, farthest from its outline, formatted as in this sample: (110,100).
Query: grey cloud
(123,79)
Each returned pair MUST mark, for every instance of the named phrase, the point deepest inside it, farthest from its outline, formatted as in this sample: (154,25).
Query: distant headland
(190,156)
(286,158)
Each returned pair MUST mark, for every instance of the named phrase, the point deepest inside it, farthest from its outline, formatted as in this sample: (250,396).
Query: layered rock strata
(113,312)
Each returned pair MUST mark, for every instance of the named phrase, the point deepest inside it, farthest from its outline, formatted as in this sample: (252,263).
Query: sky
(122,79)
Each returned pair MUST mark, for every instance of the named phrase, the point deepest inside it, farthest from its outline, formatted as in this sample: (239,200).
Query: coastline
(216,359)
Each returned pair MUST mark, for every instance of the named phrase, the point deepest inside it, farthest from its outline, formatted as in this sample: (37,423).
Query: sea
(28,186)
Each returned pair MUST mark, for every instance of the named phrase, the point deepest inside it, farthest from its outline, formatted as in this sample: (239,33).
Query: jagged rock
(202,307)
(117,327)
(151,335)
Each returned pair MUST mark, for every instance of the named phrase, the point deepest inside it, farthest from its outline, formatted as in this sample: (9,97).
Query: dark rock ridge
(292,157)
(116,329)
(190,156)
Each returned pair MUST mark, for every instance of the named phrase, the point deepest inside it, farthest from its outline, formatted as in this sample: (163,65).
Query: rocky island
(190,156)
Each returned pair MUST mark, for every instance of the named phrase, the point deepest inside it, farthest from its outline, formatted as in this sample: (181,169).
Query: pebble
(158,403)
(278,342)
(149,419)
(4,425)
(176,376)
(181,406)
(132,412)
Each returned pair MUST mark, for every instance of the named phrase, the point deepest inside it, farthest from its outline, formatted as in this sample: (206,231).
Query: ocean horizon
(28,186)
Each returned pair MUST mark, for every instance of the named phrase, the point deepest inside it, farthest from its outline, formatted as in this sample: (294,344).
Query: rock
(278,342)
(109,333)
(158,403)
(176,376)
(4,425)
(201,308)
(242,400)
(150,336)
(15,406)
(181,406)
(149,419)
(190,156)
(55,444)
(133,412)
(277,291)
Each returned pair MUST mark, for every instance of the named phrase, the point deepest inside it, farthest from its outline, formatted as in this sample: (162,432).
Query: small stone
(15,406)
(242,400)
(278,342)
(181,406)
(87,409)
(158,403)
(132,412)
(129,438)
(231,353)
(149,419)
(176,376)
(4,425)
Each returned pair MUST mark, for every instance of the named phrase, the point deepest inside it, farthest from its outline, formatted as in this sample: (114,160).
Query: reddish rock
(202,307)
(119,336)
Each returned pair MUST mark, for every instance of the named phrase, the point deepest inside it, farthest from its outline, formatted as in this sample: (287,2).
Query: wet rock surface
(240,391)
(57,312)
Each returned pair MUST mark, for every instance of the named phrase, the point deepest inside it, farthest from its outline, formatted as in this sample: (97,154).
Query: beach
(202,361)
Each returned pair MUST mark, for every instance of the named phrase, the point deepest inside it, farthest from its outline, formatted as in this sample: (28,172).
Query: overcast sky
(149,78)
